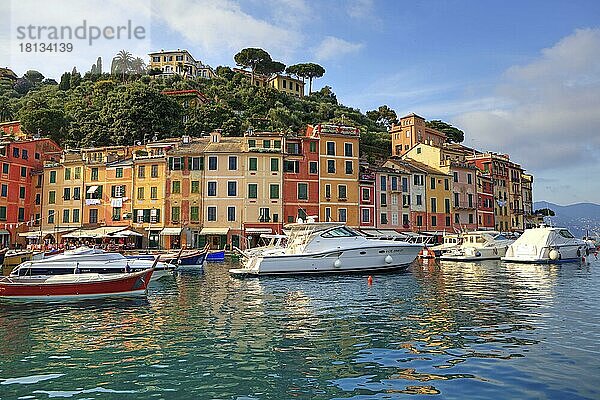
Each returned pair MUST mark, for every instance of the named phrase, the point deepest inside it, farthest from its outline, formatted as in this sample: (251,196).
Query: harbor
(453,329)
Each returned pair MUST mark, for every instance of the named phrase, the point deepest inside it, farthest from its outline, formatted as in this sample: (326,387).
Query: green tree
(307,71)
(122,64)
(6,109)
(384,116)
(65,81)
(271,67)
(75,79)
(138,66)
(224,72)
(34,77)
(253,58)
(453,134)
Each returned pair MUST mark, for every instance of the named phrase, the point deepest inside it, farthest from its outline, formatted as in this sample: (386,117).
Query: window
(404,184)
(457,218)
(349,168)
(447,206)
(419,200)
(405,220)
(117,191)
(67,194)
(469,179)
(342,215)
(75,215)
(303,191)
(470,200)
(447,220)
(176,163)
(470,218)
(142,171)
(77,172)
(50,215)
(383,182)
(52,197)
(252,190)
(274,191)
(455,176)
(3,214)
(251,143)
(433,183)
(366,194)
(455,199)
(4,190)
(195,187)
(348,149)
(232,188)
(25,154)
(419,220)
(212,188)
(446,184)
(383,198)
(383,218)
(405,200)
(116,213)
(266,144)
(23,172)
(274,164)
(313,167)
(291,166)
(418,150)
(93,216)
(175,213)
(253,164)
(176,187)
(331,166)
(94,175)
(433,220)
(68,173)
(327,214)
(212,163)
(232,163)
(330,149)
(277,144)
(394,199)
(418,180)
(21,192)
(76,193)
(52,174)
(140,193)
(312,147)
(118,173)
(264,215)
(21,211)
(195,213)
(15,152)
(394,182)
(154,193)
(342,189)
(293,148)
(230,213)
(366,215)
(154,171)
(328,191)
(433,204)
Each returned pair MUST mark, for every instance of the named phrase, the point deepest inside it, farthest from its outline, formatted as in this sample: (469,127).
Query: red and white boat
(69,286)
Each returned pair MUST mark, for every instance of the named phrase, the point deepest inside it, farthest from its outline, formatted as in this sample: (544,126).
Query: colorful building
(529,218)
(485,201)
(392,205)
(412,130)
(338,166)
(414,193)
(366,187)
(179,62)
(287,84)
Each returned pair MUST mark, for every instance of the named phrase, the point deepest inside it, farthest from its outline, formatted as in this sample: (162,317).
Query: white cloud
(332,47)
(216,26)
(549,117)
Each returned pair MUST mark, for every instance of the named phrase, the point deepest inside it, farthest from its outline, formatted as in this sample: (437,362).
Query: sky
(519,77)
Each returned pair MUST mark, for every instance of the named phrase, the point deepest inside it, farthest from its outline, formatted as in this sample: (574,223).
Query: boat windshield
(500,237)
(341,231)
(566,234)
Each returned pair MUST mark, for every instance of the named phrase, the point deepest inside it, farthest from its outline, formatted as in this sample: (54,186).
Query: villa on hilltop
(179,62)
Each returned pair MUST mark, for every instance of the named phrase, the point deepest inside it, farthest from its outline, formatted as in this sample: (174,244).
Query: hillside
(578,217)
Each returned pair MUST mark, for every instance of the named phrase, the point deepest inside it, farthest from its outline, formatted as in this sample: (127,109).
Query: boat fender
(579,252)
(388,259)
(477,254)
(337,263)
(554,255)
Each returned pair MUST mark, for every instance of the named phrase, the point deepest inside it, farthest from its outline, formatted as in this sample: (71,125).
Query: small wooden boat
(215,256)
(68,286)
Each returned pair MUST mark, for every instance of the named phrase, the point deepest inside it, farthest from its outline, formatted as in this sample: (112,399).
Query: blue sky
(521,77)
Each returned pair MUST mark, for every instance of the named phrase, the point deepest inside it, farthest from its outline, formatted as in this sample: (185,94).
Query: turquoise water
(451,331)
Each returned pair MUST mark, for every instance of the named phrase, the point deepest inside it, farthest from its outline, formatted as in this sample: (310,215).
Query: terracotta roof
(424,167)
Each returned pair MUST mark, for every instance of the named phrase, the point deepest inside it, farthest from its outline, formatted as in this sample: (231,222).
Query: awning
(95,233)
(125,233)
(170,232)
(259,230)
(4,232)
(214,231)
(38,234)
(92,189)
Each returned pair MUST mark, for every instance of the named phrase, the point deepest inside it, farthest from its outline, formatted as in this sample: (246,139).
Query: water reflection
(459,330)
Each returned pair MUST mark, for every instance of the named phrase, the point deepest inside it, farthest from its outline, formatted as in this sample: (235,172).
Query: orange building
(412,130)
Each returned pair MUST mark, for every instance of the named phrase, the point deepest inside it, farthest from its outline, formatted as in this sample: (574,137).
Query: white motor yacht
(546,245)
(88,260)
(479,245)
(329,247)
(451,241)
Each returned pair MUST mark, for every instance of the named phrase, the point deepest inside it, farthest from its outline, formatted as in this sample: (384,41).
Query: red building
(485,202)
(300,178)
(21,185)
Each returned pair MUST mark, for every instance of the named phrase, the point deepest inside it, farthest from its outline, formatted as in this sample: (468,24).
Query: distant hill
(578,217)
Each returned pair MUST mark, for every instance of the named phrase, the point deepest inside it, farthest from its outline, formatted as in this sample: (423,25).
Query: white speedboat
(88,260)
(329,247)
(546,245)
(479,245)
(451,241)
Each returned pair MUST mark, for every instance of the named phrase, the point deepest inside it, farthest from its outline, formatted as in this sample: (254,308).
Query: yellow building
(411,130)
(287,84)
(179,62)
(338,166)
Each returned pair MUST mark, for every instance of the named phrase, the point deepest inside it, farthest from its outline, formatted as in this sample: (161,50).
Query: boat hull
(342,261)
(76,286)
(532,255)
(474,254)
(216,256)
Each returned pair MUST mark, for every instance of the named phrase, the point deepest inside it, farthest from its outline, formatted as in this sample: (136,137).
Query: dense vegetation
(127,106)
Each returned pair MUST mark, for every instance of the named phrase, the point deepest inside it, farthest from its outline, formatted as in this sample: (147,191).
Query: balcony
(464,206)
